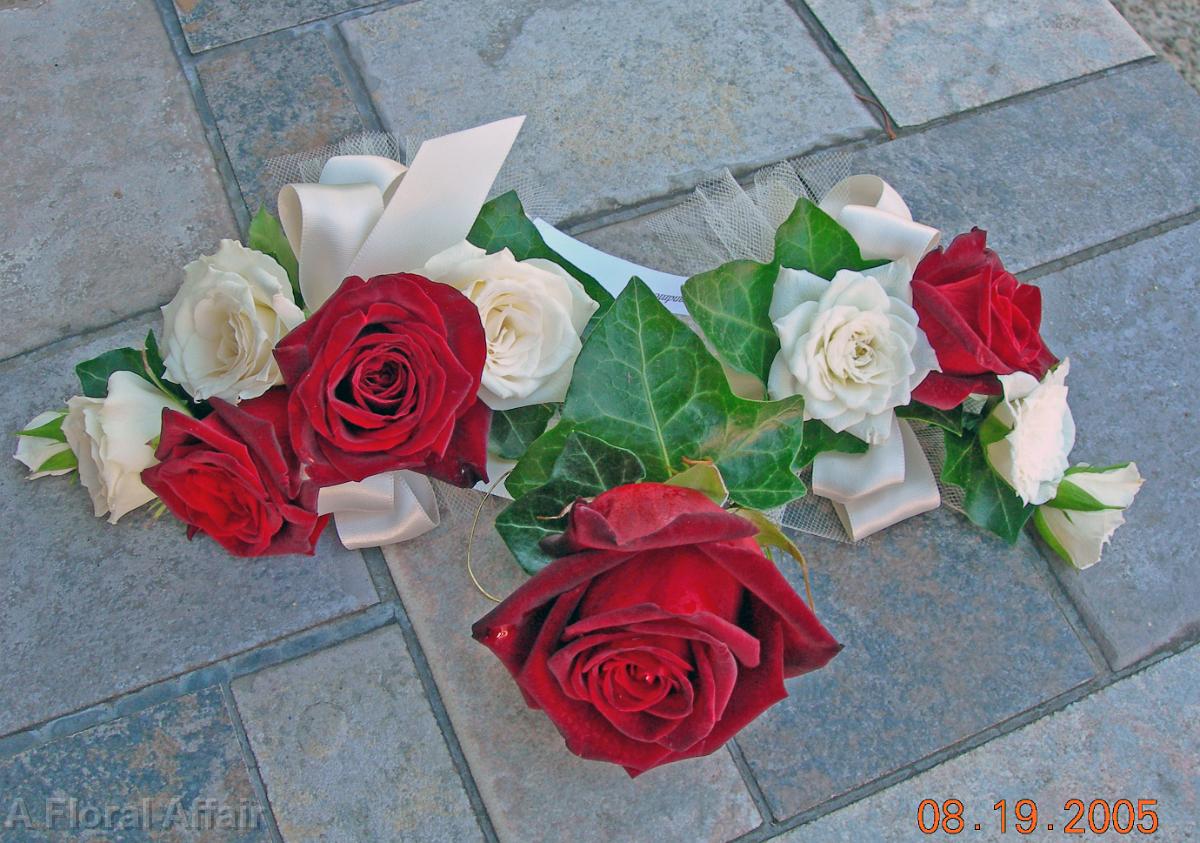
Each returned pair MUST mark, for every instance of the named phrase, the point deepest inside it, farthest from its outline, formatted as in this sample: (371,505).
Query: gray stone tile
(947,631)
(173,772)
(929,58)
(625,101)
(89,610)
(211,23)
(1134,740)
(1122,318)
(1046,176)
(532,787)
(1053,174)
(349,750)
(109,185)
(273,96)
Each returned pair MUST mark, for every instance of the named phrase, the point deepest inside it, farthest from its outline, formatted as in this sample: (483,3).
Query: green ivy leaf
(266,235)
(585,467)
(502,224)
(820,437)
(513,431)
(703,477)
(646,383)
(811,239)
(990,502)
(61,460)
(50,430)
(731,304)
(93,374)
(951,420)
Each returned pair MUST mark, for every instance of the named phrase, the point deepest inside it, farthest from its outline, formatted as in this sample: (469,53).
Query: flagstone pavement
(152,689)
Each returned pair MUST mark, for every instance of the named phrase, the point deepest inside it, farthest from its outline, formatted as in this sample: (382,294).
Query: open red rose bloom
(233,476)
(980,320)
(383,377)
(660,631)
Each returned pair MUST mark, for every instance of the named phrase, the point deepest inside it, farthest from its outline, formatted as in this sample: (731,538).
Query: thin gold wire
(471,538)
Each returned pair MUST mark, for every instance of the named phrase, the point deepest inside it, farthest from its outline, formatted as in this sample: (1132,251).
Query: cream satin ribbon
(369,215)
(892,480)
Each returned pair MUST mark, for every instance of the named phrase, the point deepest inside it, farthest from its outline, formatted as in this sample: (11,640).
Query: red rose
(980,320)
(384,376)
(662,631)
(234,476)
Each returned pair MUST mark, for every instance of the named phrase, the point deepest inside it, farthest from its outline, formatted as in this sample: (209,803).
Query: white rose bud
(533,315)
(38,451)
(851,347)
(111,437)
(1087,510)
(220,330)
(1029,434)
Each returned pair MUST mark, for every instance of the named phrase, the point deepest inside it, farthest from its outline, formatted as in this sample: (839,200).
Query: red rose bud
(980,320)
(234,476)
(662,631)
(385,376)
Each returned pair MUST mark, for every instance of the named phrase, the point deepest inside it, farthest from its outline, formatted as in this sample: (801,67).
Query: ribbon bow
(369,215)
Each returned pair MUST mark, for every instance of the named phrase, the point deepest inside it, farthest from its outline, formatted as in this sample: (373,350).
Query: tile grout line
(208,121)
(750,781)
(828,45)
(433,696)
(965,745)
(343,57)
(256,780)
(268,654)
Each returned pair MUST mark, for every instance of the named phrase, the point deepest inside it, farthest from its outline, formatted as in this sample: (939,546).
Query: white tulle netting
(305,167)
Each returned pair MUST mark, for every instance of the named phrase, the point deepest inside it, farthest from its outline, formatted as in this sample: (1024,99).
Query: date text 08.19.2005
(1123,816)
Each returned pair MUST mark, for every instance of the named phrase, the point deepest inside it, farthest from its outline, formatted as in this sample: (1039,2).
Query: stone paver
(173,772)
(1122,318)
(929,58)
(1134,740)
(1046,176)
(947,631)
(532,787)
(106,196)
(211,23)
(349,750)
(277,95)
(1172,27)
(89,610)
(625,101)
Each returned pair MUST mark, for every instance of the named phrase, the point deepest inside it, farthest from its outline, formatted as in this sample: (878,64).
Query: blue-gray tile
(947,631)
(532,786)
(89,610)
(1053,174)
(173,772)
(625,101)
(334,730)
(929,58)
(273,96)
(1126,319)
(211,23)
(108,184)
(1134,740)
(1046,177)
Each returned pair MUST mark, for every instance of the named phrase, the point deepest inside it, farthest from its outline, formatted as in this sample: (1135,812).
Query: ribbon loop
(382,509)
(879,220)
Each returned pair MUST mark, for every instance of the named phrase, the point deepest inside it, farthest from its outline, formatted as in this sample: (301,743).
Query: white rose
(853,350)
(34,451)
(1031,433)
(1087,510)
(111,438)
(533,315)
(221,328)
